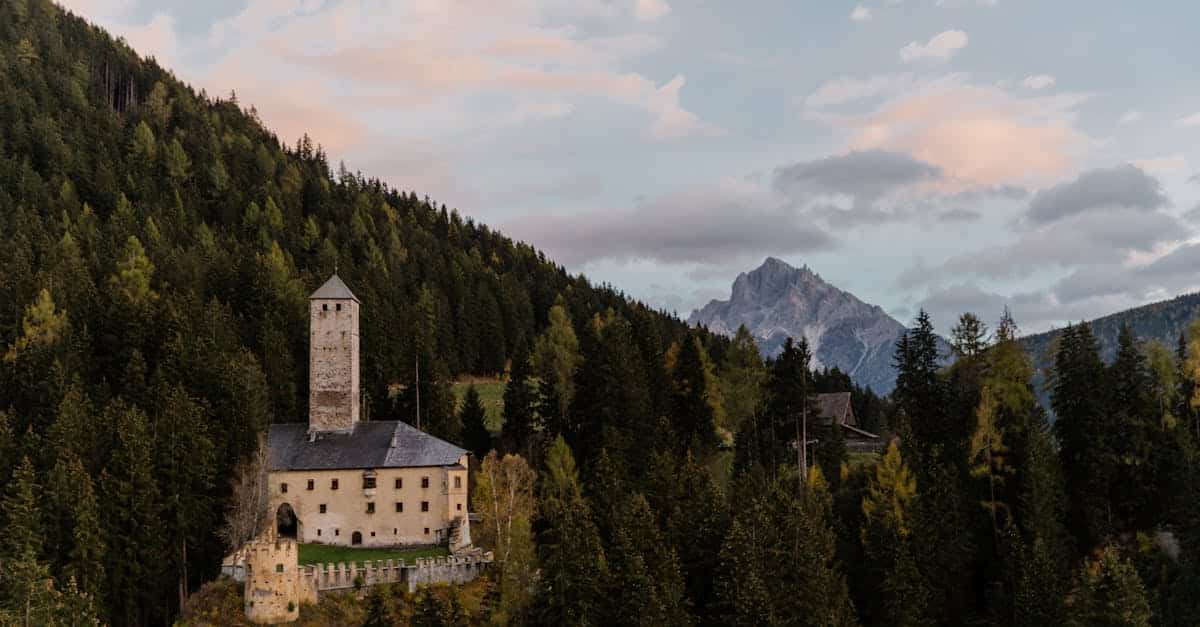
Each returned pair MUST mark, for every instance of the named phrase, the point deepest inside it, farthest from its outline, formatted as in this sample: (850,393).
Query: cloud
(862,174)
(977,134)
(860,13)
(1129,117)
(849,89)
(959,215)
(1040,81)
(1124,186)
(1159,166)
(1033,311)
(1191,120)
(673,121)
(647,10)
(940,47)
(1195,178)
(731,221)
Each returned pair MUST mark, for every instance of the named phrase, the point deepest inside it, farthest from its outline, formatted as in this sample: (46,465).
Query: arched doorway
(356,538)
(287,525)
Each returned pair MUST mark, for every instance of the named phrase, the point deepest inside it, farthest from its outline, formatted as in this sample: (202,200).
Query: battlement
(270,591)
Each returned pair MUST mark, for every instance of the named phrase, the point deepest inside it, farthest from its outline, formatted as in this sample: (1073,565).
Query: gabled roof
(375,444)
(334,289)
(835,406)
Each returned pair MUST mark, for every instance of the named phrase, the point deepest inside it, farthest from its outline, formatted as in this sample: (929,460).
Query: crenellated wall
(270,591)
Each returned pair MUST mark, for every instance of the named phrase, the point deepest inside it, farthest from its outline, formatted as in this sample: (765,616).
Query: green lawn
(328,554)
(858,459)
(491,393)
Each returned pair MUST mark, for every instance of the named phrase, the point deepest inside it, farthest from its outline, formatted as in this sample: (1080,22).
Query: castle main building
(341,480)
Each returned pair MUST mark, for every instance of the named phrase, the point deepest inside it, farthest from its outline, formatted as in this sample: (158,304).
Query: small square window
(279,568)
(324,306)
(458,506)
(399,507)
(424,482)
(337,532)
(370,508)
(368,483)
(424,506)
(457,482)
(318,533)
(399,483)
(283,488)
(311,484)
(333,484)
(372,534)
(427,531)
(322,508)
(339,306)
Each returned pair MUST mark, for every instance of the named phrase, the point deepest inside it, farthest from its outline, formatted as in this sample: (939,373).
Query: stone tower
(272,580)
(333,394)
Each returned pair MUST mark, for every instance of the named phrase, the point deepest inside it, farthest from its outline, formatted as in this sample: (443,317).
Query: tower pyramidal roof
(334,289)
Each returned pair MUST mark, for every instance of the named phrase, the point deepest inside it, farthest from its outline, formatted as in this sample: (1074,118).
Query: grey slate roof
(368,446)
(334,289)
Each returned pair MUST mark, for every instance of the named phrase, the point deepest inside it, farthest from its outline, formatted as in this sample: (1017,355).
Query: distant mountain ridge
(1162,321)
(777,300)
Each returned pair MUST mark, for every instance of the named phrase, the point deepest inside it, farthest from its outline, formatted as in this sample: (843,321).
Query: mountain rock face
(776,301)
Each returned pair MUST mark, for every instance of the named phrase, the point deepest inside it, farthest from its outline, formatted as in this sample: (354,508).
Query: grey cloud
(959,215)
(1193,214)
(708,227)
(1195,178)
(1095,237)
(1033,311)
(1124,186)
(862,174)
(1011,192)
(1171,273)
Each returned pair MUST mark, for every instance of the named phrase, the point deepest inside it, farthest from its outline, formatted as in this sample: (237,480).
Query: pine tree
(1080,399)
(969,336)
(378,614)
(644,570)
(556,358)
(573,562)
(888,545)
(476,437)
(921,395)
(1108,593)
(693,399)
(520,407)
(21,544)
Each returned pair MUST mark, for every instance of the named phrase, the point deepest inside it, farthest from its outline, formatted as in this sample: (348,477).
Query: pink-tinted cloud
(978,135)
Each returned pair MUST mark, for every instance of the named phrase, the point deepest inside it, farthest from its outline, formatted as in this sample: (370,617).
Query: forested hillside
(159,247)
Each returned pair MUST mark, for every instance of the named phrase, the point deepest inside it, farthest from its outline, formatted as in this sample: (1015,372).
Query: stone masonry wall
(333,401)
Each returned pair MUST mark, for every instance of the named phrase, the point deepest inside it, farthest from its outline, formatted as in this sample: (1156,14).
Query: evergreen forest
(159,247)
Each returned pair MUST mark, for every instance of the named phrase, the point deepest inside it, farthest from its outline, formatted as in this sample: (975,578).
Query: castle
(341,480)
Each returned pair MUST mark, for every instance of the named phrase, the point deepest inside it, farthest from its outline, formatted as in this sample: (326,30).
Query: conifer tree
(573,562)
(643,570)
(888,545)
(476,437)
(21,544)
(921,395)
(1108,593)
(520,408)
(1080,400)
(555,359)
(378,614)
(695,399)
(969,336)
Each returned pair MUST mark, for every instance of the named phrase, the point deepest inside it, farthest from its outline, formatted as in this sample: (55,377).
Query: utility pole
(418,392)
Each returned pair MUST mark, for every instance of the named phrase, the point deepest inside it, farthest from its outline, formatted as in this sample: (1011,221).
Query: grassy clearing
(859,459)
(329,554)
(491,393)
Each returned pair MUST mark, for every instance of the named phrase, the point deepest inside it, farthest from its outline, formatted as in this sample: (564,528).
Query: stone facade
(333,396)
(273,592)
(406,506)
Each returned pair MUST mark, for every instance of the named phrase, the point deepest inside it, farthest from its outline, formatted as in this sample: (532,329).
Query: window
(424,482)
(337,532)
(369,482)
(458,506)
(333,484)
(399,483)
(372,534)
(370,508)
(324,306)
(427,531)
(457,482)
(311,484)
(339,306)
(283,488)
(322,508)
(279,568)
(424,506)
(399,507)
(395,531)
(318,532)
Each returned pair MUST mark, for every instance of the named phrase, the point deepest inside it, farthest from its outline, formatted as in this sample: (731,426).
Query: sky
(952,155)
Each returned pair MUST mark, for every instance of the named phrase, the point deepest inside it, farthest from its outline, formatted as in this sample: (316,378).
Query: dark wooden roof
(836,406)
(376,444)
